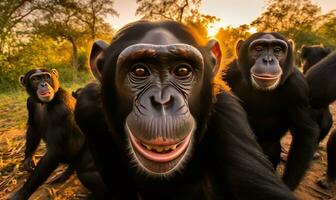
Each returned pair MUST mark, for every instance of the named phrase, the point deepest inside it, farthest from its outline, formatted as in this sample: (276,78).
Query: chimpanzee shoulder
(296,88)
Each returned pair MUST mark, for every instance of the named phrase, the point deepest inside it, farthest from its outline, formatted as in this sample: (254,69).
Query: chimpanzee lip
(47,93)
(266,77)
(169,150)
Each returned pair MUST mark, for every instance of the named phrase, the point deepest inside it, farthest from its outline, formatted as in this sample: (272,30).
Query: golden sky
(231,12)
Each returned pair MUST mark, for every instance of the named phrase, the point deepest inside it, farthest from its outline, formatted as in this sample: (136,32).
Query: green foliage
(282,15)
(50,34)
(41,52)
(229,36)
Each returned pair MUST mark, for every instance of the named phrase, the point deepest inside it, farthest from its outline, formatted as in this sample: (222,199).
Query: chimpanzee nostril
(265,60)
(268,60)
(43,84)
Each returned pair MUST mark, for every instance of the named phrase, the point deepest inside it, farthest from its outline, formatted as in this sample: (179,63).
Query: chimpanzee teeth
(148,147)
(160,148)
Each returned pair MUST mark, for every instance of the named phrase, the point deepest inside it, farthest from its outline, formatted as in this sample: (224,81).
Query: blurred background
(59,34)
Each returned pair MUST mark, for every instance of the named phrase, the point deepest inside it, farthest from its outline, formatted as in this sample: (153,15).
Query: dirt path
(12,129)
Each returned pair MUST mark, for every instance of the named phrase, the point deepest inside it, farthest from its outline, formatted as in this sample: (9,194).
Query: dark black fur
(225,163)
(322,82)
(310,55)
(54,123)
(272,113)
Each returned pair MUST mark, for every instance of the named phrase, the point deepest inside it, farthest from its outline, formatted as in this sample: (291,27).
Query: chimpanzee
(155,128)
(310,55)
(276,97)
(322,83)
(50,110)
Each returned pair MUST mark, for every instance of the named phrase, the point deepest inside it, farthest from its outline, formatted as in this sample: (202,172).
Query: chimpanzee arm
(303,127)
(44,168)
(241,165)
(91,119)
(305,141)
(33,137)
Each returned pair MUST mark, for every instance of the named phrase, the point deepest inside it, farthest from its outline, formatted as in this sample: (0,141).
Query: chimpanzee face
(267,56)
(41,84)
(310,55)
(162,77)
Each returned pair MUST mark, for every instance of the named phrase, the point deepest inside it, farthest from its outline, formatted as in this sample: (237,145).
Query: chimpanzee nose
(43,84)
(162,100)
(267,60)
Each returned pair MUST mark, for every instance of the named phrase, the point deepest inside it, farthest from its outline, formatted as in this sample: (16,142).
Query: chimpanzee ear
(22,80)
(96,57)
(216,55)
(55,72)
(292,44)
(238,46)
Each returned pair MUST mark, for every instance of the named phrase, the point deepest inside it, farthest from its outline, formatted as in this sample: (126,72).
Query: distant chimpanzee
(276,97)
(155,128)
(310,55)
(322,83)
(51,118)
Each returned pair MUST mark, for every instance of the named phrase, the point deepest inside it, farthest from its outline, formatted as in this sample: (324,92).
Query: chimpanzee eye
(277,49)
(140,70)
(46,77)
(35,78)
(182,70)
(259,48)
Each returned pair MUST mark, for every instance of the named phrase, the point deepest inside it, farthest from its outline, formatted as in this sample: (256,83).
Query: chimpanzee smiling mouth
(159,156)
(47,93)
(160,151)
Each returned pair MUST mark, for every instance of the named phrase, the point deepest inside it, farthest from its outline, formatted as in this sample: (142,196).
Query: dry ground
(13,116)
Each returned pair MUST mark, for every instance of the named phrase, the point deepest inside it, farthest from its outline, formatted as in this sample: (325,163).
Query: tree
(176,10)
(229,36)
(93,12)
(201,22)
(284,15)
(12,13)
(328,30)
(183,11)
(74,21)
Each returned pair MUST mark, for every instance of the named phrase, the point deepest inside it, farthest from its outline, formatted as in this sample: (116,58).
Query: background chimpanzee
(50,110)
(157,133)
(276,97)
(310,55)
(322,83)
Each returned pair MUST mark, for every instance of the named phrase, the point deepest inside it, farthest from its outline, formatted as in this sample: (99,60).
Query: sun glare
(252,30)
(214,28)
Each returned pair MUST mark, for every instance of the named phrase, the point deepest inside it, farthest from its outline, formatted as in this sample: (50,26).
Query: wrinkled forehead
(160,44)
(39,72)
(159,36)
(269,40)
(163,52)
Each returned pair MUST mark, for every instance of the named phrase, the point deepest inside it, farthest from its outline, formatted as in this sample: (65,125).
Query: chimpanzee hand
(29,164)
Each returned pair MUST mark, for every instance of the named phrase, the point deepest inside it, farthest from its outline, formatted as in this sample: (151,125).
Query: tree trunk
(75,63)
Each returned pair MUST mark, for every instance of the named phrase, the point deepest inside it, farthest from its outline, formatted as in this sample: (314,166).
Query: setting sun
(214,28)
